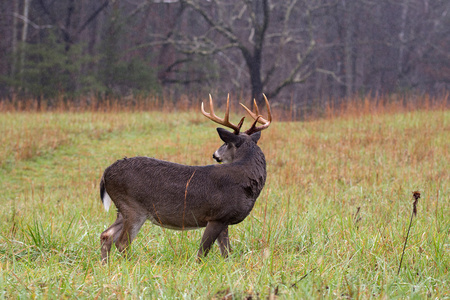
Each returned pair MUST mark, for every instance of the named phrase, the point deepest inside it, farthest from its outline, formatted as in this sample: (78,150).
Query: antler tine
(269,113)
(256,107)
(258,118)
(227,111)
(225,121)
(211,105)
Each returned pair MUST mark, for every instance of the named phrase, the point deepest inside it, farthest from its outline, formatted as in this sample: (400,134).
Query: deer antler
(258,118)
(225,121)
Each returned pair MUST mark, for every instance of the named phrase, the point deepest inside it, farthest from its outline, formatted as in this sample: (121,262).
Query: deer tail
(106,200)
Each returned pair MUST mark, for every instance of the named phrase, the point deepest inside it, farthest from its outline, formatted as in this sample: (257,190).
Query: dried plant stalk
(416,196)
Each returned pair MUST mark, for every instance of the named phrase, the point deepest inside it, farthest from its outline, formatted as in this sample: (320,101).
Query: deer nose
(217,158)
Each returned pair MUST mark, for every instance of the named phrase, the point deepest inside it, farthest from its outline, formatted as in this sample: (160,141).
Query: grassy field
(331,221)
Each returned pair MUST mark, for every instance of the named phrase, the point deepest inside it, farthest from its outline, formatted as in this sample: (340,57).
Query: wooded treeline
(298,52)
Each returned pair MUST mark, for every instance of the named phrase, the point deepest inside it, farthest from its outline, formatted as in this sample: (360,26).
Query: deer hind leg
(131,226)
(109,235)
(212,231)
(224,242)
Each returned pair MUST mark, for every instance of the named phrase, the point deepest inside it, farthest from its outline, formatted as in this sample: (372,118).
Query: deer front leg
(224,242)
(212,231)
(109,235)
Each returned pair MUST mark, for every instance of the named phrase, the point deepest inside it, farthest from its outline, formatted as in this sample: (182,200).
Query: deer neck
(253,165)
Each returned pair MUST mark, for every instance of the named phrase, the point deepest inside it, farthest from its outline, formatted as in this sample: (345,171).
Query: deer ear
(227,137)
(256,136)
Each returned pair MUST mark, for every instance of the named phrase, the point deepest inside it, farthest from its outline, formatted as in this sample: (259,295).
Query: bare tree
(244,26)
(70,22)
(14,36)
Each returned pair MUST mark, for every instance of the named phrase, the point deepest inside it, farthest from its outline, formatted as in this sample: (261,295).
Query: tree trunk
(14,37)
(26,9)
(348,50)
(254,66)
(260,20)
(66,33)
(402,39)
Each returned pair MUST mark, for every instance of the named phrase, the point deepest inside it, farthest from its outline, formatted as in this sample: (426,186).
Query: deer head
(232,141)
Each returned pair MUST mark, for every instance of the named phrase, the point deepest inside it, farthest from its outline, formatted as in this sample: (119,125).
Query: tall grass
(331,221)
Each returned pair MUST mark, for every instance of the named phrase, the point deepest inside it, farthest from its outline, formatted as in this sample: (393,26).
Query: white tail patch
(106,201)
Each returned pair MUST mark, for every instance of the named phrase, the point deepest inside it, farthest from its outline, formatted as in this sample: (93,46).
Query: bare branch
(217,25)
(93,16)
(34,25)
(294,76)
(332,74)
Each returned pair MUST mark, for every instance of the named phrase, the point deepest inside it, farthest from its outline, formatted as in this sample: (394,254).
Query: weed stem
(416,196)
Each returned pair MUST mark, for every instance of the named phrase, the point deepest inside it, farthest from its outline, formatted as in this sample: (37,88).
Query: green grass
(331,221)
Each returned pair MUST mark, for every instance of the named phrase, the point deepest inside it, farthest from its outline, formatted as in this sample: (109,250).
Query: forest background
(302,54)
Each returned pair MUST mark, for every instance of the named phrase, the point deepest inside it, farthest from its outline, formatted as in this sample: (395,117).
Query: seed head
(416,196)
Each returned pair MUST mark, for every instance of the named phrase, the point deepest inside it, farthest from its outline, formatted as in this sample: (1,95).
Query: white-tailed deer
(188,197)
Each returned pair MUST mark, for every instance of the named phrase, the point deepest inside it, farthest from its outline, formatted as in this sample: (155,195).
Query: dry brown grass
(357,106)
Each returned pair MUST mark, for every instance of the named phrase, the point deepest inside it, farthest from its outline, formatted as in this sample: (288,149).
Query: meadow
(331,221)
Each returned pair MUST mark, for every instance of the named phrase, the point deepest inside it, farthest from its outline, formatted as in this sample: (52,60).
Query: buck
(185,197)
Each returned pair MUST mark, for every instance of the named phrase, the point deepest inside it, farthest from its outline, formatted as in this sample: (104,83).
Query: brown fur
(185,197)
